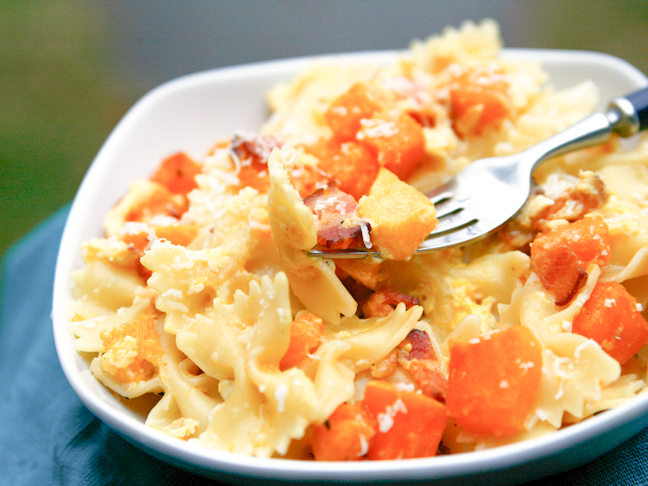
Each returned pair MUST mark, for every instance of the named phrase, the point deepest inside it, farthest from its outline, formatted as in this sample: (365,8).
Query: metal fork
(489,192)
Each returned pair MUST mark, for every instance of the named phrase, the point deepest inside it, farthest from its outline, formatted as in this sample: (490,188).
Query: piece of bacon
(250,154)
(338,226)
(424,117)
(421,345)
(577,201)
(580,281)
(382,302)
(253,148)
(386,366)
(417,356)
(420,105)
(581,198)
(429,379)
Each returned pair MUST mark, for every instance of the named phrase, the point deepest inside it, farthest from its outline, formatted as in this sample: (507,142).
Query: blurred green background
(70,69)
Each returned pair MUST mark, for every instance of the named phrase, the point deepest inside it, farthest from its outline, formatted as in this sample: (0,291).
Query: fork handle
(625,116)
(629,114)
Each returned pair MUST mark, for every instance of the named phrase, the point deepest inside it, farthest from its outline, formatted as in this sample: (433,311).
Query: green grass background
(58,101)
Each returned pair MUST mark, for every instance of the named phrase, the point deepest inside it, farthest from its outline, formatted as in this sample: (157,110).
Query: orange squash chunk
(178,174)
(308,178)
(149,352)
(255,176)
(409,424)
(352,166)
(478,100)
(345,436)
(398,144)
(400,216)
(136,240)
(180,234)
(611,317)
(251,152)
(305,333)
(561,256)
(492,383)
(366,271)
(344,114)
(160,202)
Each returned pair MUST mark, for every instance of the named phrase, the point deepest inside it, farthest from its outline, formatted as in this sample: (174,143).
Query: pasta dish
(201,300)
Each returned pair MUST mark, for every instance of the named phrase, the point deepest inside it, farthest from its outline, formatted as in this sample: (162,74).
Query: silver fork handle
(625,116)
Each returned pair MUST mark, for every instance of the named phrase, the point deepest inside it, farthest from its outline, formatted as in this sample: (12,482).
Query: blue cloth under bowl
(47,436)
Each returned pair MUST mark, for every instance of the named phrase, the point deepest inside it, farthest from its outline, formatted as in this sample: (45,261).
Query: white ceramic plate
(189,114)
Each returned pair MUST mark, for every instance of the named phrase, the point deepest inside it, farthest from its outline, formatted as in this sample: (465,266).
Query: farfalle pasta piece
(636,267)
(240,218)
(498,275)
(129,389)
(628,225)
(103,288)
(87,328)
(629,240)
(575,371)
(613,395)
(313,280)
(624,171)
(111,250)
(187,280)
(248,339)
(182,398)
(291,397)
(130,359)
(371,339)
(533,306)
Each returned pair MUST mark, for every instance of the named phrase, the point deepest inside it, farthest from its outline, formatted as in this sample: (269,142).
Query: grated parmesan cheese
(365,235)
(376,128)
(280,394)
(364,446)
(386,420)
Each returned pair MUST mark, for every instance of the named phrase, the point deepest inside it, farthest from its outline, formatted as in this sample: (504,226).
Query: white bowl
(190,114)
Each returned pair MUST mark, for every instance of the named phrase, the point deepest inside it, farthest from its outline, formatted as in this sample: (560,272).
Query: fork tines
(455,226)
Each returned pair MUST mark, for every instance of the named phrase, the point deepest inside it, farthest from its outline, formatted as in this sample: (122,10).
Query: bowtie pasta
(202,296)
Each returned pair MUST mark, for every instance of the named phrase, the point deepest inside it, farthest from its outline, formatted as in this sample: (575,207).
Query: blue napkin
(48,437)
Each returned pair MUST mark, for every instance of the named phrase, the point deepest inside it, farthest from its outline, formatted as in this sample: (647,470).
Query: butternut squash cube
(400,216)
